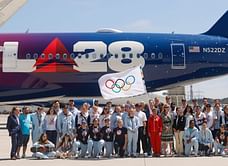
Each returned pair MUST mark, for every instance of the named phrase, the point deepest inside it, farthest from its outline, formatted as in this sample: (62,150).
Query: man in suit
(13,126)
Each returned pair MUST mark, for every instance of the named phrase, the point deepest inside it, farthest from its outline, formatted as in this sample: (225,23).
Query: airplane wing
(8,8)
(39,102)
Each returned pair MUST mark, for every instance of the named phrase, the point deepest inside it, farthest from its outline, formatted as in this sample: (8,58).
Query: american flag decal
(194,49)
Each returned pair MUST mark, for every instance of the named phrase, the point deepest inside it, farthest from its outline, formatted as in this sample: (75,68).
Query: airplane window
(116,55)
(101,56)
(145,55)
(131,55)
(87,56)
(79,56)
(160,55)
(50,56)
(65,56)
(152,55)
(35,56)
(57,56)
(94,56)
(28,56)
(42,56)
(138,55)
(123,56)
(72,55)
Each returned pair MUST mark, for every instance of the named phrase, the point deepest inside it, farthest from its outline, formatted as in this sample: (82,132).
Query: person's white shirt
(189,117)
(50,122)
(199,119)
(142,117)
(210,119)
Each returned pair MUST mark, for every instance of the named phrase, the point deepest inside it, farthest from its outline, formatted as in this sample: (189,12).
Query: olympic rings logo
(120,84)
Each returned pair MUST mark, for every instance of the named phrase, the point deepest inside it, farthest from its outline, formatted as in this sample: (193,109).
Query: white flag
(123,84)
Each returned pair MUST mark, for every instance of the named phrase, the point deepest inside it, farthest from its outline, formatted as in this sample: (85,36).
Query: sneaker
(134,156)
(145,155)
(76,155)
(13,158)
(45,157)
(98,157)
(23,156)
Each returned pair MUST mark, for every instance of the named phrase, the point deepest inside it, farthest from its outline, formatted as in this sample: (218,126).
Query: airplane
(8,8)
(39,65)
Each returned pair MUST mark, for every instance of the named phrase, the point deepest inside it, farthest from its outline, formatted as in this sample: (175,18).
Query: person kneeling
(43,149)
(205,140)
(65,147)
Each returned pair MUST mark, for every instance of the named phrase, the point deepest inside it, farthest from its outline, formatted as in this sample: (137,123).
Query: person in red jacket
(155,130)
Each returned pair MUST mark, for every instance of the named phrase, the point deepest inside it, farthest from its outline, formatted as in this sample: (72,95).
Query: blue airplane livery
(38,65)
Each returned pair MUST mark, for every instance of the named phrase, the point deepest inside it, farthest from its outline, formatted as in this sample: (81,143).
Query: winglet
(220,28)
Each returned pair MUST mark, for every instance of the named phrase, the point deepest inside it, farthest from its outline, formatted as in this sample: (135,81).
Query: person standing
(167,131)
(72,108)
(141,130)
(224,118)
(191,136)
(104,115)
(37,124)
(117,114)
(14,129)
(154,131)
(200,117)
(217,114)
(188,113)
(25,122)
(132,125)
(50,124)
(178,128)
(65,122)
(82,116)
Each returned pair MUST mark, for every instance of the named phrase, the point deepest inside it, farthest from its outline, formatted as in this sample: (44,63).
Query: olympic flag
(123,84)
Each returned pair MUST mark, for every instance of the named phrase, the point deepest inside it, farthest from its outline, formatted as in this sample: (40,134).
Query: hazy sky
(179,16)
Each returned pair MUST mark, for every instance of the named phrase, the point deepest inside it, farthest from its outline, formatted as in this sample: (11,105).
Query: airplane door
(10,55)
(178,56)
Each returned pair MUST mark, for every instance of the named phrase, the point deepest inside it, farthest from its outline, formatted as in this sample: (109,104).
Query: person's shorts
(24,140)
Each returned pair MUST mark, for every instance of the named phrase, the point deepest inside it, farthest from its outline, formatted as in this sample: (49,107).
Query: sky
(155,16)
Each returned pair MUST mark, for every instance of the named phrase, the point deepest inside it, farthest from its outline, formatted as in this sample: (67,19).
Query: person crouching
(82,140)
(107,135)
(205,140)
(95,143)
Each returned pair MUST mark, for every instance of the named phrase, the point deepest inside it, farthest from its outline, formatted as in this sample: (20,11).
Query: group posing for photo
(129,130)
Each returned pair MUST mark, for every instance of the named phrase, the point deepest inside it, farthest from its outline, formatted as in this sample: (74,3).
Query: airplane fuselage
(39,65)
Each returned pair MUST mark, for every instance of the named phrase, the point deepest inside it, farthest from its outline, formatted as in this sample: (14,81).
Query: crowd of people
(129,130)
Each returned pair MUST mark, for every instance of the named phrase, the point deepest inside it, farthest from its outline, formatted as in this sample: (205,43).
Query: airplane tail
(220,28)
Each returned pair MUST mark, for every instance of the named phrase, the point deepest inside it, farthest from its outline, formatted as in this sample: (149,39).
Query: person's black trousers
(52,136)
(118,147)
(14,144)
(142,136)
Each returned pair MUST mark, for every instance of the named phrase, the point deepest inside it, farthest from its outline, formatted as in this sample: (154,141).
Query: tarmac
(5,161)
